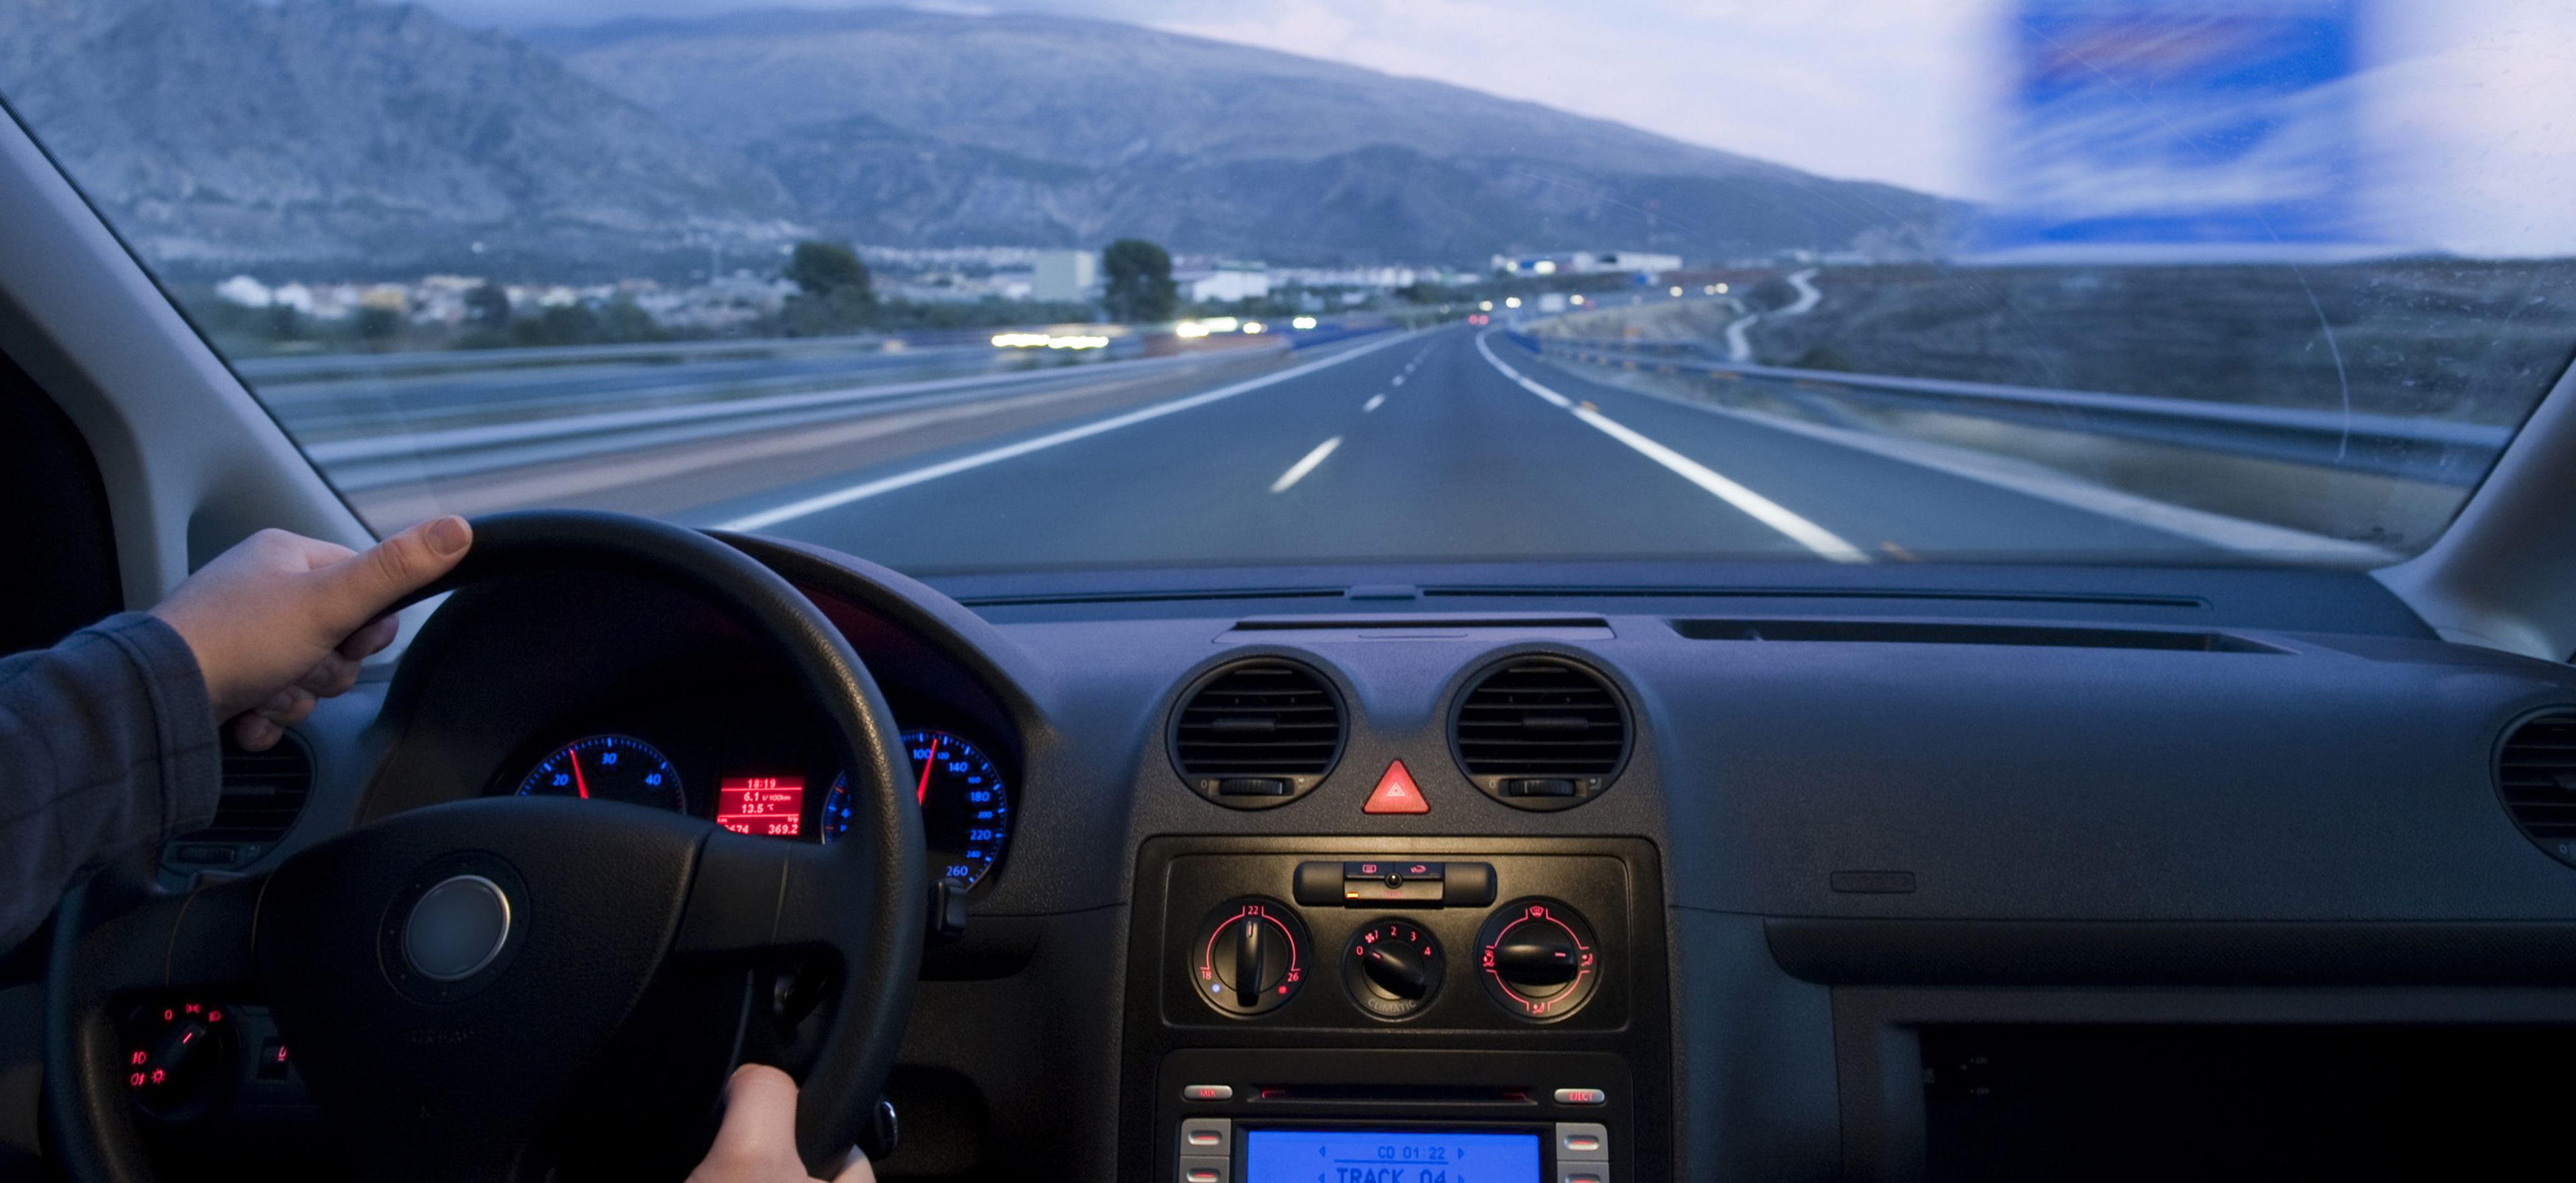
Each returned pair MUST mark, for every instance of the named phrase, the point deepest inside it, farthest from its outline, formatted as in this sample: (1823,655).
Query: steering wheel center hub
(457,929)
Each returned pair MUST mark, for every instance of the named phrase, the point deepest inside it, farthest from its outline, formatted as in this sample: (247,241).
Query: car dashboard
(1993,874)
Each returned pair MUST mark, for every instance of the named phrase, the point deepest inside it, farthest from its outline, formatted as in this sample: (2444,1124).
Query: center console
(1423,1011)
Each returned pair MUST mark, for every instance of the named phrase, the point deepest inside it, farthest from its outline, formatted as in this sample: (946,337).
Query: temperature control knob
(1393,968)
(1251,957)
(1538,959)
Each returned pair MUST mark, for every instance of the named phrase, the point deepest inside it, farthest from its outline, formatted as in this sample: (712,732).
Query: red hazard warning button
(1396,793)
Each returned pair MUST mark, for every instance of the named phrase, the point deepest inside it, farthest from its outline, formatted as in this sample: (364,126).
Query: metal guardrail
(1125,340)
(2439,451)
(394,456)
(307,366)
(530,407)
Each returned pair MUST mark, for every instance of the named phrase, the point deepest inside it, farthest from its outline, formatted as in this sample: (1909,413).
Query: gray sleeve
(107,742)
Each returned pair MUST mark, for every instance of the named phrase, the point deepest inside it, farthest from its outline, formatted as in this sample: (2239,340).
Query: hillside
(220,132)
(915,127)
(374,138)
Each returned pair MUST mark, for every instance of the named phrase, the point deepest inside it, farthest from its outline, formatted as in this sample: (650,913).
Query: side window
(57,547)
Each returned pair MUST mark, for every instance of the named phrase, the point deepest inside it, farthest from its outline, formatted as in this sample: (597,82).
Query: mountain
(219,132)
(925,128)
(378,138)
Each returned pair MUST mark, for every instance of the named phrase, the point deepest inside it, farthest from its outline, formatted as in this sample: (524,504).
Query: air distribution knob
(1250,957)
(1392,968)
(1538,959)
(1538,963)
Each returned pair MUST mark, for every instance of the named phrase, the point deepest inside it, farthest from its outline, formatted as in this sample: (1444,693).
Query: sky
(2468,130)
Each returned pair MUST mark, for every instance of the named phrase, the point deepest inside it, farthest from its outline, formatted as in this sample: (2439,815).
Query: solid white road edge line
(904,480)
(1762,509)
(1297,472)
(2035,480)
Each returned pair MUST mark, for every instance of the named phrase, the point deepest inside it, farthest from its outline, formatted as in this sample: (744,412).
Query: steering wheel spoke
(193,940)
(763,899)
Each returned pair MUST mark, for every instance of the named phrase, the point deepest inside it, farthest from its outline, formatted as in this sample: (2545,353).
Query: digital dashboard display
(772,806)
(1388,1156)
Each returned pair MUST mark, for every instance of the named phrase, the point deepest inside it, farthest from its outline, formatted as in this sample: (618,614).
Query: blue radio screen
(1388,1156)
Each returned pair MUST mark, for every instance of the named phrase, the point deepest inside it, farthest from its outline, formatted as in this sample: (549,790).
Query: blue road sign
(2161,128)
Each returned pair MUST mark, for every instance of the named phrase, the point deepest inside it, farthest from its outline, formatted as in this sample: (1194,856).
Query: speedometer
(965,806)
(608,768)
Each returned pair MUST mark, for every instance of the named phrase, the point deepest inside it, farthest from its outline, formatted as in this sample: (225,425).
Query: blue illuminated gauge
(965,807)
(608,768)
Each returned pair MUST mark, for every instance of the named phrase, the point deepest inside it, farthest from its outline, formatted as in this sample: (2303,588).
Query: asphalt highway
(1451,444)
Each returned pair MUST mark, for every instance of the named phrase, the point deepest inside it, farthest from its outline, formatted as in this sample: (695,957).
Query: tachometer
(608,768)
(965,807)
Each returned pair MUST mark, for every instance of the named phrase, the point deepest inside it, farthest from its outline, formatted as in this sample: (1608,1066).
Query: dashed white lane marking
(1762,509)
(1399,381)
(904,480)
(1297,472)
(1374,402)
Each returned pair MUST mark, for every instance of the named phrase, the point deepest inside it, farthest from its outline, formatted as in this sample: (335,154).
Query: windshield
(1129,283)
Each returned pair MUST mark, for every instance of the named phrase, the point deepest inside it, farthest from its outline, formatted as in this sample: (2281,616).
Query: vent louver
(2536,773)
(263,794)
(1540,733)
(1257,734)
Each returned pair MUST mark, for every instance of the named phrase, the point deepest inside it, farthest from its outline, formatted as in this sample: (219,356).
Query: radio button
(1207,1092)
(1206,1170)
(1582,1097)
(1582,1141)
(1210,1136)
(1585,1173)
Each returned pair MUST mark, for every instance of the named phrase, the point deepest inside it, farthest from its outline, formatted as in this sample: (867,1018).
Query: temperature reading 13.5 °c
(773,806)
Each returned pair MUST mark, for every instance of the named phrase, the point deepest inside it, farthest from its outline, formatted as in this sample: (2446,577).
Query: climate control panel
(1400,931)
(1402,995)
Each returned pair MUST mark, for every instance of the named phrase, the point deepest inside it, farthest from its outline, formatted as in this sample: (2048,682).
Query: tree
(825,268)
(487,307)
(379,324)
(1138,275)
(836,295)
(563,324)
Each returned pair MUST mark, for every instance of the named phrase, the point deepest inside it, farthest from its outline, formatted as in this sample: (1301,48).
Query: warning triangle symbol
(1396,793)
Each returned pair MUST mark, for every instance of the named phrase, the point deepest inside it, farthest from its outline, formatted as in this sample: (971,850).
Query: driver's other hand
(758,1141)
(282,620)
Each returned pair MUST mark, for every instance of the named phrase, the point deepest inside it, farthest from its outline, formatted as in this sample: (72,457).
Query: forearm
(107,742)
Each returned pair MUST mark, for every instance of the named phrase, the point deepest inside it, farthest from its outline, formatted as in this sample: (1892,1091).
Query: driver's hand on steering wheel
(282,621)
(758,1141)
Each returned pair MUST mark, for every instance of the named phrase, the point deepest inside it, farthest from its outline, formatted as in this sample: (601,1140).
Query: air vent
(1540,733)
(2536,773)
(263,794)
(1257,734)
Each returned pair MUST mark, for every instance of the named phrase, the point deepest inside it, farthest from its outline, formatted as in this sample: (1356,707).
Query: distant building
(1064,276)
(1587,263)
(1230,280)
(245,291)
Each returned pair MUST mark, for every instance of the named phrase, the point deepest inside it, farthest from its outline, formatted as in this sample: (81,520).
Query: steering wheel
(456,980)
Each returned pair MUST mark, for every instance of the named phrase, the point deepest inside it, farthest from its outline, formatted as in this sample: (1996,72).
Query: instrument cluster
(962,791)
